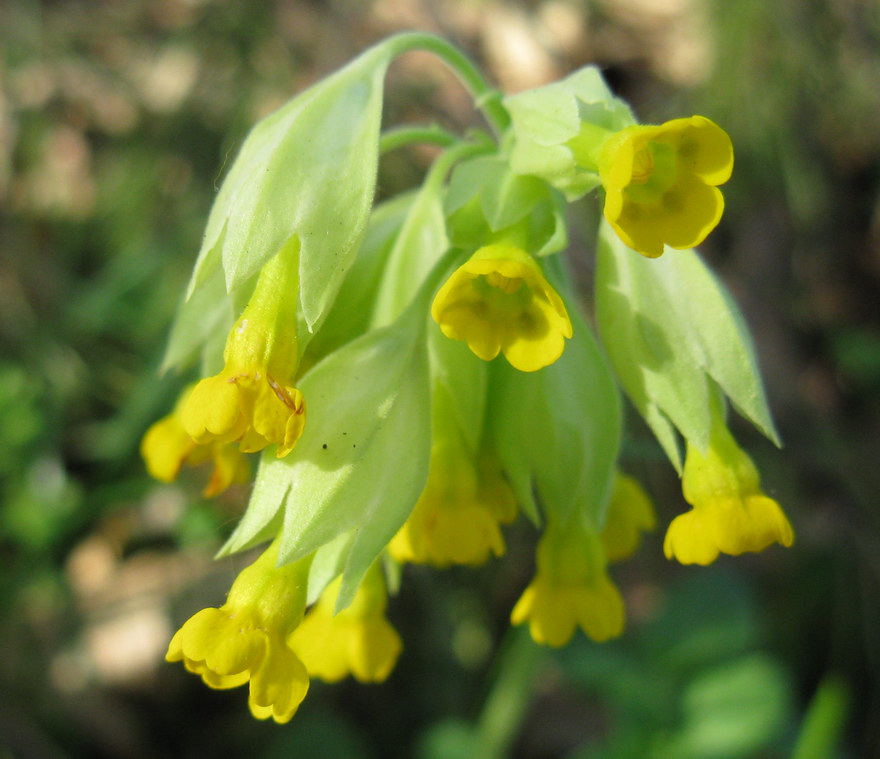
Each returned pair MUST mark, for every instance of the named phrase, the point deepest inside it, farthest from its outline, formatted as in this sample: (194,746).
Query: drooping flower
(730,512)
(500,302)
(246,639)
(630,513)
(457,518)
(571,588)
(166,448)
(253,400)
(359,640)
(661,182)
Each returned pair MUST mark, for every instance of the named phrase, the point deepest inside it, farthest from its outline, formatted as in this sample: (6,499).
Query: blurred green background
(116,120)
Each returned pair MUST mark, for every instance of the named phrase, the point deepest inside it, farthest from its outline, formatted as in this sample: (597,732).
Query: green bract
(671,331)
(545,120)
(307,170)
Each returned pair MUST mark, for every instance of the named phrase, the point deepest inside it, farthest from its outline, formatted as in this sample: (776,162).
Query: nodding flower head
(571,588)
(359,640)
(500,302)
(661,182)
(730,512)
(245,640)
(166,448)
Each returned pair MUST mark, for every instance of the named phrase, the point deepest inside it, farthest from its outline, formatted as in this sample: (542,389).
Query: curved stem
(407,135)
(487,99)
(510,697)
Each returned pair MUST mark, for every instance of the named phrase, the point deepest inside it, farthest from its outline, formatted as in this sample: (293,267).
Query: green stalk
(511,694)
(407,135)
(486,98)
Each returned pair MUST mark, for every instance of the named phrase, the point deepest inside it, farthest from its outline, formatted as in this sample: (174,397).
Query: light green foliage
(307,170)
(671,331)
(558,430)
(545,119)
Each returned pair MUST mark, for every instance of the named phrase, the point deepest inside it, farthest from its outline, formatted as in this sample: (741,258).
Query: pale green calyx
(550,138)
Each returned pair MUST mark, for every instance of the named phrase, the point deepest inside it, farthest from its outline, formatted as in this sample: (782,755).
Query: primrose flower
(571,588)
(730,513)
(252,400)
(630,512)
(166,448)
(499,301)
(661,182)
(246,638)
(457,518)
(358,640)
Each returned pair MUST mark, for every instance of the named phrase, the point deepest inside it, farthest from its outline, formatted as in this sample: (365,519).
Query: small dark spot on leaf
(324,446)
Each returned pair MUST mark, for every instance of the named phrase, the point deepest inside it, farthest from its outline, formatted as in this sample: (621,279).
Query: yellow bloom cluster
(419,453)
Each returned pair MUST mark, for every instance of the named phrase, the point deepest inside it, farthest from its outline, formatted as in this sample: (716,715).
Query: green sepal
(307,170)
(545,119)
(487,203)
(463,380)
(209,312)
(418,246)
(672,331)
(558,430)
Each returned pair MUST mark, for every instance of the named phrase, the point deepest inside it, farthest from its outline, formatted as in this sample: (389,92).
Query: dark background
(116,120)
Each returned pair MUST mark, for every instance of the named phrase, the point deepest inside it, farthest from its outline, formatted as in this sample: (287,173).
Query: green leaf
(352,310)
(672,333)
(208,312)
(307,170)
(418,247)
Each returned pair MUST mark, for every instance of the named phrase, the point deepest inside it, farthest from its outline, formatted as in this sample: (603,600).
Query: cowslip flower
(166,448)
(457,518)
(253,400)
(661,182)
(630,512)
(499,302)
(359,640)
(730,513)
(571,588)
(245,640)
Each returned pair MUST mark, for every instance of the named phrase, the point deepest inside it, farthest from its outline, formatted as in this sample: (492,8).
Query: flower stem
(407,135)
(511,694)
(487,99)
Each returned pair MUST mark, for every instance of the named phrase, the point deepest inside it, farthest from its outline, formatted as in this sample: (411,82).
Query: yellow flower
(730,513)
(571,588)
(456,519)
(629,514)
(661,182)
(252,400)
(166,448)
(499,301)
(358,640)
(246,638)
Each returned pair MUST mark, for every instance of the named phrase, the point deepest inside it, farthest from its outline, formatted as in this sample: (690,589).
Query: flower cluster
(453,384)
